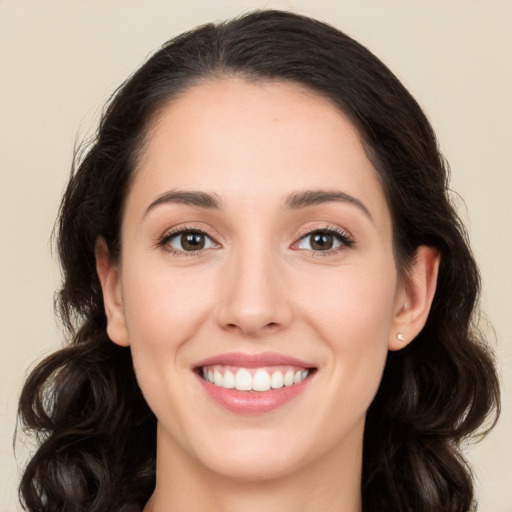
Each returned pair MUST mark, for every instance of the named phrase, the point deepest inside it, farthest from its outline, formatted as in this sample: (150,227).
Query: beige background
(60,60)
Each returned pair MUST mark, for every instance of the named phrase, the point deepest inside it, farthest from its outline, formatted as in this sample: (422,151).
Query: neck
(331,484)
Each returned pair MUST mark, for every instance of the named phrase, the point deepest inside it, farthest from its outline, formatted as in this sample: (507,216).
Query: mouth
(253,384)
(253,379)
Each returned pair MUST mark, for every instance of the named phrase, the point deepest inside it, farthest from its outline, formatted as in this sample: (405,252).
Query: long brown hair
(97,435)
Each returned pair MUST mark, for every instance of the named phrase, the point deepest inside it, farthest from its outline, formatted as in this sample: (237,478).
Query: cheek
(163,307)
(351,303)
(164,310)
(353,314)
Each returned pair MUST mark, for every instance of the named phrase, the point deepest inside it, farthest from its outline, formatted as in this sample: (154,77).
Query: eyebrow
(191,198)
(294,201)
(308,198)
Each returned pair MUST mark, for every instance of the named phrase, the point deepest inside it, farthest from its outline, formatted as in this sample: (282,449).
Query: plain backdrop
(61,60)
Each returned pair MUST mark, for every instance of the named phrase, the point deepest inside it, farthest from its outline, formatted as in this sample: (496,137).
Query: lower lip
(253,402)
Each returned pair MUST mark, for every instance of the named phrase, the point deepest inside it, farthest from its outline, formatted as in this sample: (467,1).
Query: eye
(188,241)
(323,240)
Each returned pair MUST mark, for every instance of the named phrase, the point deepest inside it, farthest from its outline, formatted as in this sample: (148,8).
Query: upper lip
(253,360)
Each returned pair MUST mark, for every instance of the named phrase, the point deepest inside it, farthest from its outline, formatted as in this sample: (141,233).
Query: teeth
(243,380)
(277,380)
(217,378)
(288,378)
(229,380)
(259,380)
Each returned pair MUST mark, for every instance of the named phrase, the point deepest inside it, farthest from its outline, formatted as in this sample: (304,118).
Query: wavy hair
(96,433)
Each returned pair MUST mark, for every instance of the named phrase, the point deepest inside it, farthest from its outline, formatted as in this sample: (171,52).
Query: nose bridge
(254,299)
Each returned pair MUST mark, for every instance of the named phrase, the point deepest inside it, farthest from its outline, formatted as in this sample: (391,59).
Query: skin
(259,287)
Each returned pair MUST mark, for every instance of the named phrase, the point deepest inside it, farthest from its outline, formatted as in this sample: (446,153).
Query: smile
(253,384)
(253,379)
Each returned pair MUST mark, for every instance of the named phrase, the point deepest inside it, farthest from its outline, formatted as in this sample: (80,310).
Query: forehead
(232,116)
(249,140)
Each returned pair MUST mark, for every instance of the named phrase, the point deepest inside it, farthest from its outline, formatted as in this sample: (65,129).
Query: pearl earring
(400,336)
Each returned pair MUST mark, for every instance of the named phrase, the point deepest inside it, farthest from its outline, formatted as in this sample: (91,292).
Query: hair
(97,436)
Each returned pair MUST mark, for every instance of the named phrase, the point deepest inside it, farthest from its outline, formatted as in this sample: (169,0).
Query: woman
(269,295)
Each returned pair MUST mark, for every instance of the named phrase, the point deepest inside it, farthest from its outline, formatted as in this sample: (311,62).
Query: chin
(256,466)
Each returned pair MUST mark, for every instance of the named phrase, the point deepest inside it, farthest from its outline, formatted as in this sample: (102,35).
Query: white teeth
(277,380)
(217,378)
(229,380)
(261,380)
(243,380)
(288,378)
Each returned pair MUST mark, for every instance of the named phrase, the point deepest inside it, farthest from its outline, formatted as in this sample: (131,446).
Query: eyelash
(345,239)
(165,239)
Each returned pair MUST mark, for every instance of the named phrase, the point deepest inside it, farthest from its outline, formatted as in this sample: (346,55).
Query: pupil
(321,242)
(192,241)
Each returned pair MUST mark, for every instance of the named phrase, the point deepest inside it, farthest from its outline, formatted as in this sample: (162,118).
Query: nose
(255,299)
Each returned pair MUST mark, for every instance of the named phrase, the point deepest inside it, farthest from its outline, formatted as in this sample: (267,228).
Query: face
(257,254)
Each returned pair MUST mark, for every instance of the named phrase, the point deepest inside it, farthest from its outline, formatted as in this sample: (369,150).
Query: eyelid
(163,241)
(345,237)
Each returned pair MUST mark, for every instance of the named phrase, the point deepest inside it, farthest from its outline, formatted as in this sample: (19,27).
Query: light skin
(253,169)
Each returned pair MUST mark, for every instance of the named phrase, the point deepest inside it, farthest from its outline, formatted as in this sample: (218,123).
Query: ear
(414,297)
(110,280)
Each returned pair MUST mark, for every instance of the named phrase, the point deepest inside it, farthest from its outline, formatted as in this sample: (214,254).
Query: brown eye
(192,241)
(189,241)
(323,240)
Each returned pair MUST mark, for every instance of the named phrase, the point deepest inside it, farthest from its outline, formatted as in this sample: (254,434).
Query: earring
(400,336)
